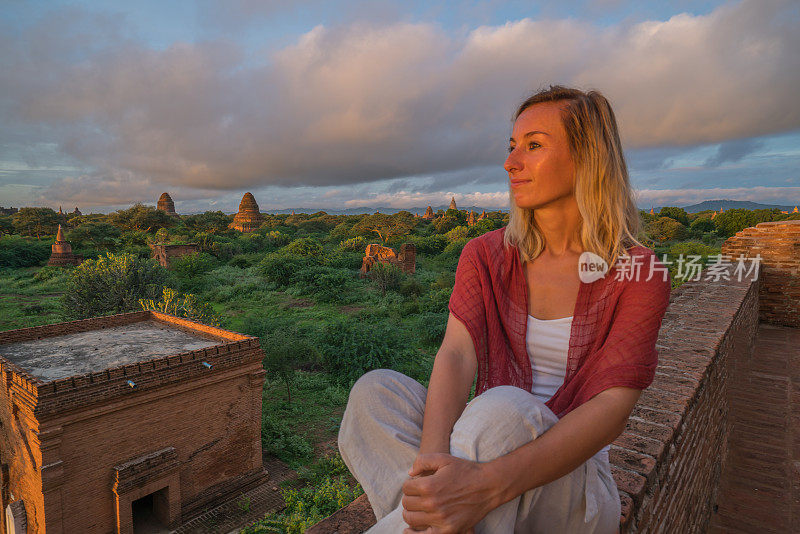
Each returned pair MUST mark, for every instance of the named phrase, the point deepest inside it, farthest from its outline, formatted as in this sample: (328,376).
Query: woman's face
(539,165)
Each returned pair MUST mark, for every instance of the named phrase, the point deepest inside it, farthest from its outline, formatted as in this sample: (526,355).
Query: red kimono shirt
(614,327)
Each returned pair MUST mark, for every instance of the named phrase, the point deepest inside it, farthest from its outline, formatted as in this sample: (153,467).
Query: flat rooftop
(52,358)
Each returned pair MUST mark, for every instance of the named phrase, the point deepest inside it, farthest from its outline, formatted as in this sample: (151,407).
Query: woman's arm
(461,492)
(453,372)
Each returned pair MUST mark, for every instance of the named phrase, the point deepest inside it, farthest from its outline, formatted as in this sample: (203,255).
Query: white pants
(380,438)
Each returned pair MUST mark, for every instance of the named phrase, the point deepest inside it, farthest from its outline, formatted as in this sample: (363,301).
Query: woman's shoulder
(486,246)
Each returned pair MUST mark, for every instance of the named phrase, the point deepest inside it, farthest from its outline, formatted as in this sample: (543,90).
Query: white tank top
(548,346)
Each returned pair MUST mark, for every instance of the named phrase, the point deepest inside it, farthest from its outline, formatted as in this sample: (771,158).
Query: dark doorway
(151,513)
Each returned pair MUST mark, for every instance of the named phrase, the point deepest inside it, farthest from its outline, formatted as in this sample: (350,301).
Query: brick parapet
(778,244)
(668,461)
(56,396)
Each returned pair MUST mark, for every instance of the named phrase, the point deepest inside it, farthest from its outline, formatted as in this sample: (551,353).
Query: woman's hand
(446,495)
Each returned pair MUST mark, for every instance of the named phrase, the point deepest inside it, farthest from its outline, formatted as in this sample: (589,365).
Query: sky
(330,105)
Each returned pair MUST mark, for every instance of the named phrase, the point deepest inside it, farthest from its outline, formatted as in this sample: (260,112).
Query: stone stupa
(62,252)
(249,218)
(429,214)
(452,204)
(471,220)
(166,204)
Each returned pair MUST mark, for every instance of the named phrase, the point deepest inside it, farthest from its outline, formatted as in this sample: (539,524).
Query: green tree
(701,225)
(99,234)
(305,246)
(213,222)
(113,283)
(386,226)
(446,223)
(6,225)
(678,214)
(666,229)
(284,354)
(36,221)
(142,218)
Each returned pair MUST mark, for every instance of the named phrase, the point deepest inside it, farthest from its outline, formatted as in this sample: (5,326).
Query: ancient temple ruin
(405,260)
(116,424)
(166,204)
(452,204)
(429,214)
(471,220)
(62,252)
(249,217)
(165,253)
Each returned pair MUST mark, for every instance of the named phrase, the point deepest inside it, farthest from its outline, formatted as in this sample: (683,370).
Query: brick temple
(249,218)
(128,423)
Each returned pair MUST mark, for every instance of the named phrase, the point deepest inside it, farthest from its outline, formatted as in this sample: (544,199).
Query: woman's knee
(505,417)
(370,385)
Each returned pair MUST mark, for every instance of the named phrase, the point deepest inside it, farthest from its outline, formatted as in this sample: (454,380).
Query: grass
(26,301)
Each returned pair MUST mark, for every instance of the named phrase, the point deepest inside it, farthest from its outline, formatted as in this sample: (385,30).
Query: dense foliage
(113,283)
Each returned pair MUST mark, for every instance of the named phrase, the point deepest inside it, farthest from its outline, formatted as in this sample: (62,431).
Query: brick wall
(667,463)
(778,243)
(62,439)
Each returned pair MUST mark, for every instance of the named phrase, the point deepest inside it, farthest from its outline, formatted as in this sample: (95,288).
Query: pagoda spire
(59,235)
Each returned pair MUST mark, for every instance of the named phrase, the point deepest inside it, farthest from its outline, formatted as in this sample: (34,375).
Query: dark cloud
(734,151)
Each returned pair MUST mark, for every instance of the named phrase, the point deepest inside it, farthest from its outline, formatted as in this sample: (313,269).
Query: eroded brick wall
(667,464)
(80,428)
(778,244)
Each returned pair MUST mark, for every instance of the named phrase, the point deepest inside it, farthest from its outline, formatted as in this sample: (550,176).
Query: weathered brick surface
(778,244)
(79,449)
(759,490)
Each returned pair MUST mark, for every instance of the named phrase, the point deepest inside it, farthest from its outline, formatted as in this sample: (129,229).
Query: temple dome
(249,218)
(166,204)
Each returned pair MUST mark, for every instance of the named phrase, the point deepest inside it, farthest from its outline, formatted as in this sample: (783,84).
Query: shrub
(325,491)
(16,252)
(181,305)
(666,229)
(350,349)
(305,246)
(459,232)
(431,327)
(385,275)
(453,250)
(692,248)
(358,243)
(432,245)
(113,283)
(325,284)
(343,259)
(436,300)
(192,265)
(279,439)
(279,268)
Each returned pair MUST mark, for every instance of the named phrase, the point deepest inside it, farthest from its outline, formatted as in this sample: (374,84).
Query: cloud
(733,151)
(363,102)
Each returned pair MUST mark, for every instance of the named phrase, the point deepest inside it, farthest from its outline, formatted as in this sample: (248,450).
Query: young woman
(560,362)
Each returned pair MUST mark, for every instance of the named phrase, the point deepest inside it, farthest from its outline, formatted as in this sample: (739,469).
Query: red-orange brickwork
(79,451)
(778,243)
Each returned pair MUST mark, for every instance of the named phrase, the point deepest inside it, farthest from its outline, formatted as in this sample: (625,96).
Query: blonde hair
(610,218)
